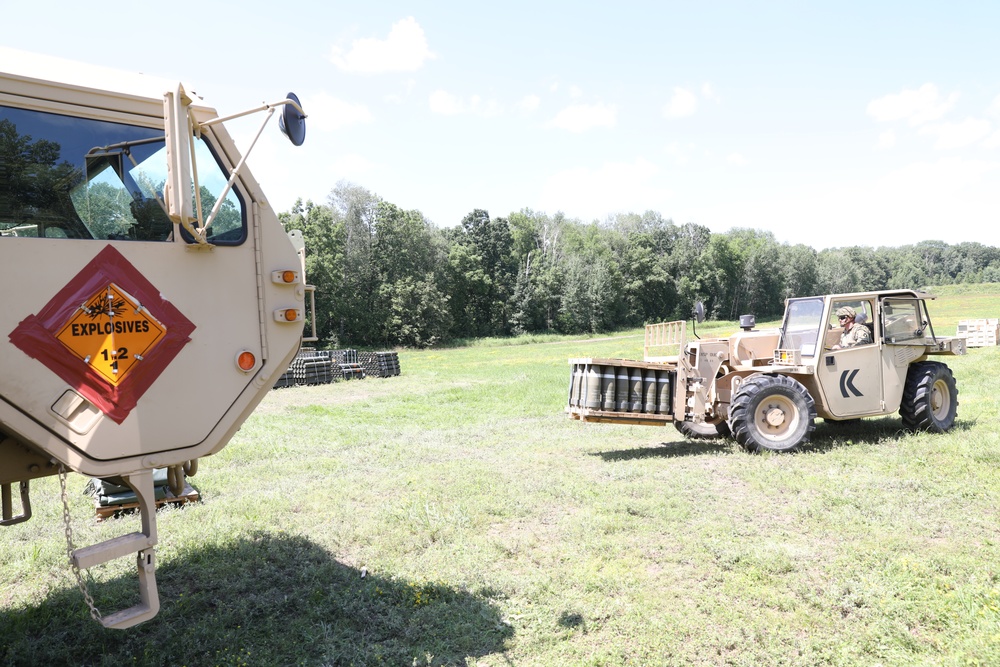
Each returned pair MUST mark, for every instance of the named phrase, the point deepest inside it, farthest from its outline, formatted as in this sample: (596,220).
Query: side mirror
(177,190)
(182,184)
(699,312)
(292,121)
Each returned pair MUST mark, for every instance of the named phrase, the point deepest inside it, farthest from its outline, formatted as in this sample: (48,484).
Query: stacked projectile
(380,364)
(308,367)
(620,386)
(323,366)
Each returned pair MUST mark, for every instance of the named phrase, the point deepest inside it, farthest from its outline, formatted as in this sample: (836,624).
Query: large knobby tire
(704,430)
(930,398)
(772,412)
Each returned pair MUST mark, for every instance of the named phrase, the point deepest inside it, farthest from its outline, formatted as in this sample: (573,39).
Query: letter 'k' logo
(847,383)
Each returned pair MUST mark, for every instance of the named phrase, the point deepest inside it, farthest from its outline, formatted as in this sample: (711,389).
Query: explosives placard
(111,332)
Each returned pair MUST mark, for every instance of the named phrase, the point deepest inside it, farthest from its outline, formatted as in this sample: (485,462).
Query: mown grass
(454,515)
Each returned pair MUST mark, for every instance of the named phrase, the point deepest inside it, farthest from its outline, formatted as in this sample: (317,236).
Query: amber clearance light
(287,315)
(246,361)
(285,277)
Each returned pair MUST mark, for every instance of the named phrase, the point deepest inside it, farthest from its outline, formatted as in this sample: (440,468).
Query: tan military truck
(767,387)
(151,295)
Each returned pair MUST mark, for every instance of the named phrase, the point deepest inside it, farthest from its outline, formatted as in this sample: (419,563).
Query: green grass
(455,515)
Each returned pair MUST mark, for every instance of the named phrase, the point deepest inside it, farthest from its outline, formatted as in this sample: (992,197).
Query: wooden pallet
(611,417)
(979,333)
(189,495)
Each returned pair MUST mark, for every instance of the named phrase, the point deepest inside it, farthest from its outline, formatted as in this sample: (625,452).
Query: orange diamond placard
(112,333)
(109,333)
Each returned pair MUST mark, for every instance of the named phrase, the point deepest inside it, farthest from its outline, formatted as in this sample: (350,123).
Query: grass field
(455,515)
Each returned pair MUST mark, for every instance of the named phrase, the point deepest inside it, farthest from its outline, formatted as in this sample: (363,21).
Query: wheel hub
(775,417)
(940,398)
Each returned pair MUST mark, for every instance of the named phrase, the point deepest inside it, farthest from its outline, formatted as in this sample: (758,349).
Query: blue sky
(833,124)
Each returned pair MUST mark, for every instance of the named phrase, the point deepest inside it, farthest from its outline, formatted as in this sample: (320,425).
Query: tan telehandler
(766,388)
(151,295)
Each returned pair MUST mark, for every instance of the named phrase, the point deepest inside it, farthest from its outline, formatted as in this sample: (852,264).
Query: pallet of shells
(621,391)
(309,367)
(380,364)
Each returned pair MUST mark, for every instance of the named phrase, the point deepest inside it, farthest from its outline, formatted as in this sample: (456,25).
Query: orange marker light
(246,361)
(285,277)
(288,315)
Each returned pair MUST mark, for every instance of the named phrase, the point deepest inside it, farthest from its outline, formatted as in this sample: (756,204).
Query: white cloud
(915,106)
(582,117)
(950,199)
(737,159)
(946,176)
(448,104)
(575,92)
(708,92)
(679,154)
(404,50)
(993,141)
(445,103)
(529,103)
(615,187)
(683,103)
(351,165)
(886,140)
(994,109)
(329,113)
(958,135)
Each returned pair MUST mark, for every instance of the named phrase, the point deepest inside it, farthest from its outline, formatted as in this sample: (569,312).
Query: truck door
(119,335)
(851,377)
(907,331)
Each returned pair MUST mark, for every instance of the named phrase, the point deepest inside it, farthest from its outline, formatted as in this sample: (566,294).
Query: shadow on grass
(828,435)
(871,431)
(261,600)
(669,450)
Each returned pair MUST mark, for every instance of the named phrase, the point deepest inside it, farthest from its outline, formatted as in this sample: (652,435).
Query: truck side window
(67,177)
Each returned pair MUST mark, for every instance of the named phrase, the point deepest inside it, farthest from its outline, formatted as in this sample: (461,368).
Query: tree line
(385,276)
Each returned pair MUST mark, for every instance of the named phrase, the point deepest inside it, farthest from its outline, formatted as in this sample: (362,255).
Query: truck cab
(868,379)
(152,295)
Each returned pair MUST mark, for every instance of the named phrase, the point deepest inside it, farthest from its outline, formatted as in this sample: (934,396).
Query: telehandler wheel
(703,431)
(930,398)
(772,412)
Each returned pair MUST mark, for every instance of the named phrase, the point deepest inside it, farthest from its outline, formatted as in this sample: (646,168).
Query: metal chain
(94,613)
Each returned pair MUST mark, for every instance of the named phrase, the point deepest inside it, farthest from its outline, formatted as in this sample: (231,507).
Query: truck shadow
(265,599)
(827,436)
(832,434)
(670,449)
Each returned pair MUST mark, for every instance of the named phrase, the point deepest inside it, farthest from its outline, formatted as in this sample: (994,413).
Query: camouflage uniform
(857,335)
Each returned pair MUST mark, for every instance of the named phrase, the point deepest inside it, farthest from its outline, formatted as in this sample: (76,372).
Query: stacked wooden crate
(979,333)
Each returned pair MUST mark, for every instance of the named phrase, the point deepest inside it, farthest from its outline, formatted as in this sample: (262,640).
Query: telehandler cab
(765,388)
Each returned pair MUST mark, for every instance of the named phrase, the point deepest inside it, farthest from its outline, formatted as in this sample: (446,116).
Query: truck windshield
(68,177)
(800,330)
